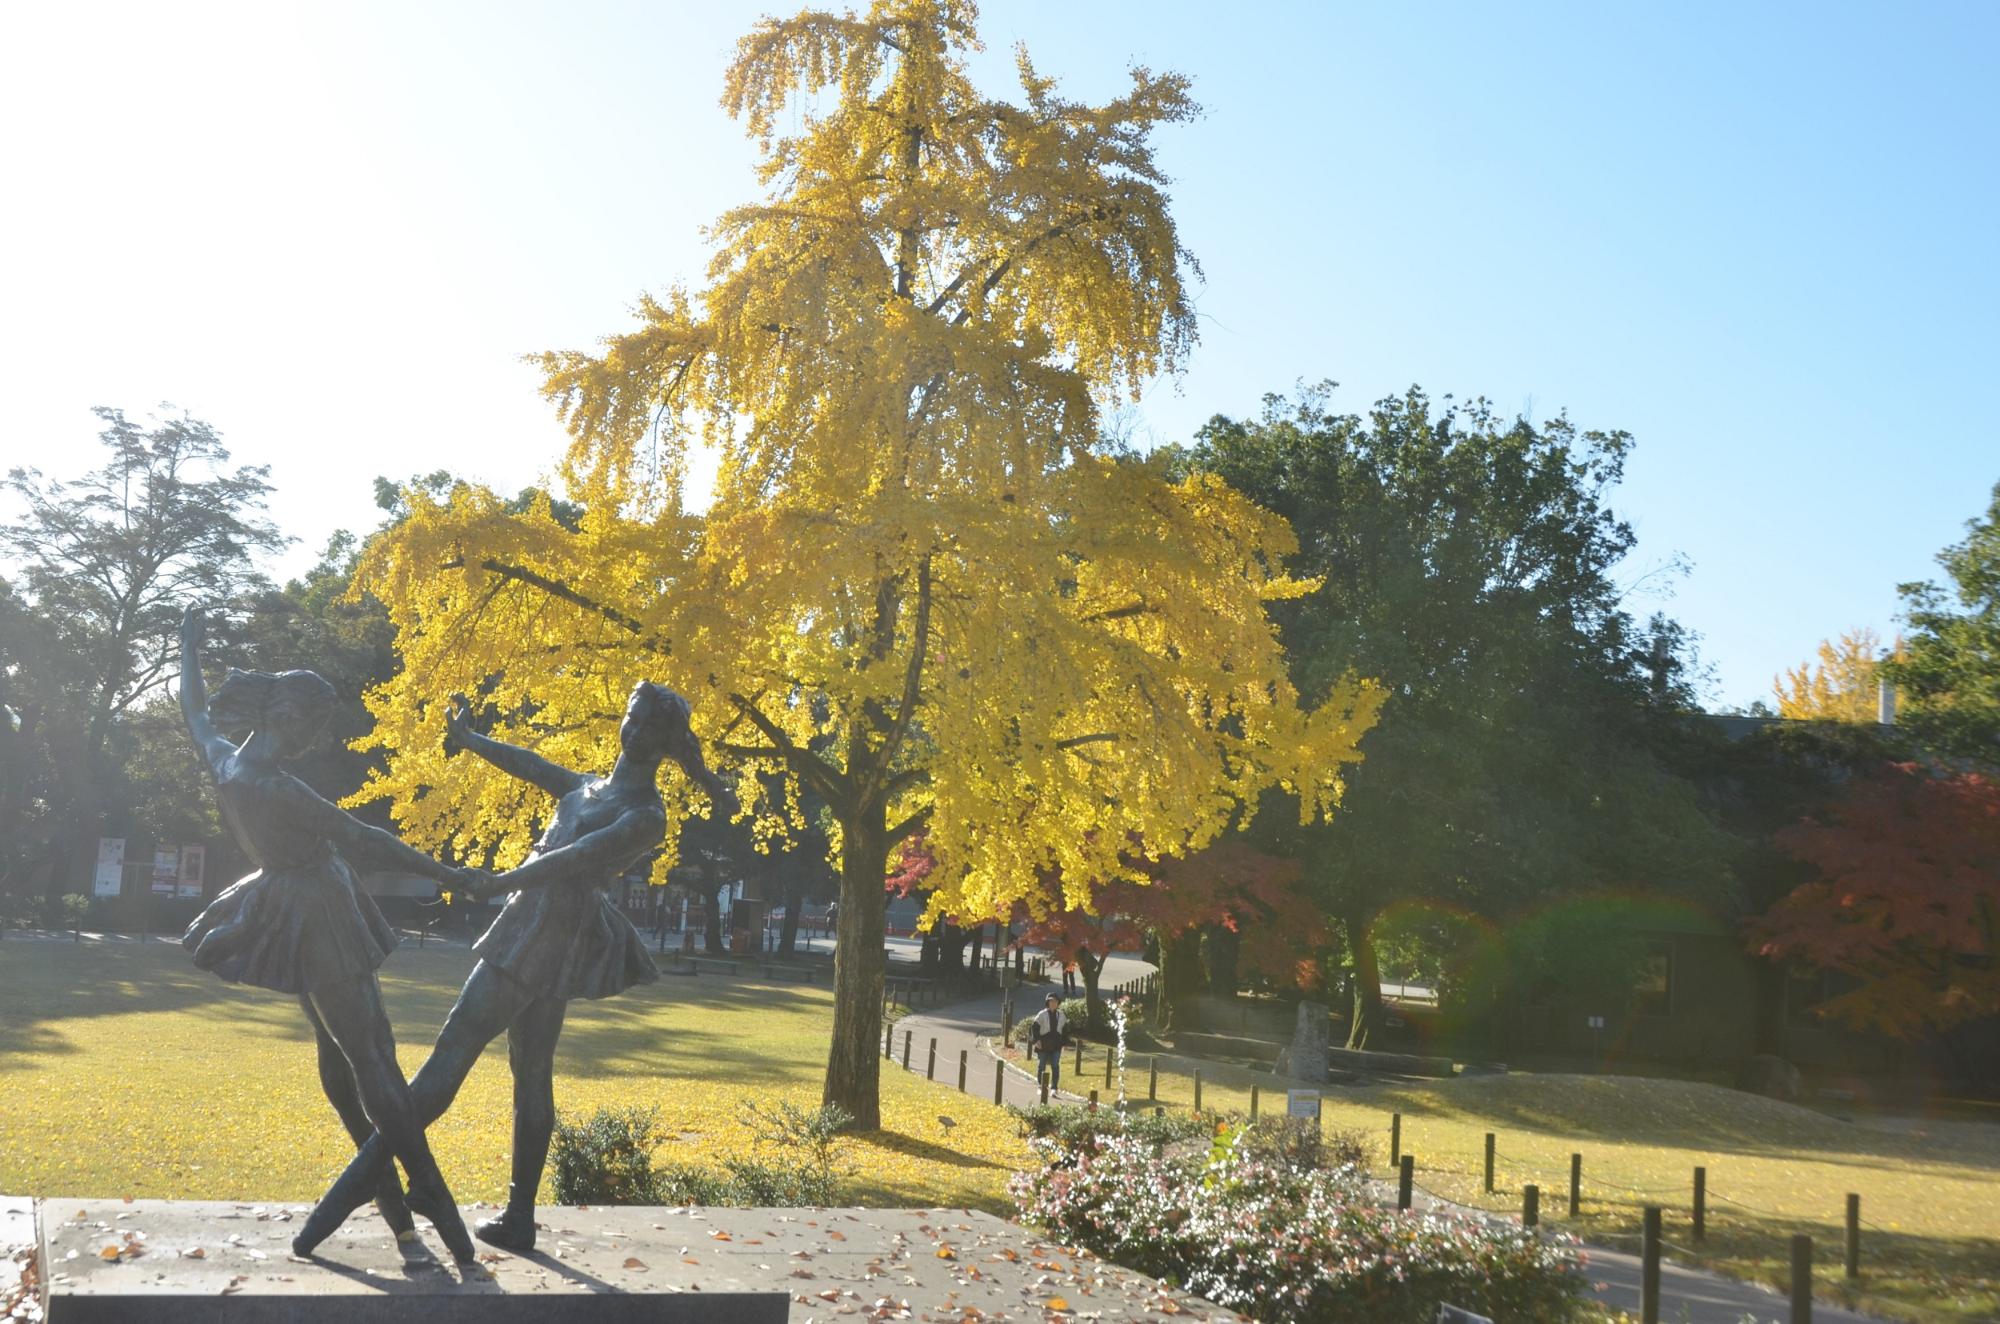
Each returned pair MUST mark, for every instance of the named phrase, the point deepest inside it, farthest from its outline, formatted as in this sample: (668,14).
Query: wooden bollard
(1153,1080)
(1395,1137)
(1197,1091)
(1531,1205)
(1699,1220)
(964,1058)
(930,1066)
(909,1036)
(1853,1257)
(999,1082)
(1093,1101)
(1649,1267)
(1110,1057)
(1044,1083)
(1575,1184)
(1079,1057)
(1253,1103)
(1801,1279)
(889,1042)
(1489,1163)
(1406,1180)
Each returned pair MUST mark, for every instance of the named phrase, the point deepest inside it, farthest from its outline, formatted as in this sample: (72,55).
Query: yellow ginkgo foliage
(926,587)
(1841,687)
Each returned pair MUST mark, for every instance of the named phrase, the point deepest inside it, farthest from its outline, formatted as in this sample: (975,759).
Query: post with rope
(964,1060)
(1531,1205)
(1801,1279)
(1395,1137)
(909,1037)
(1853,1259)
(1489,1163)
(1575,1184)
(1406,1180)
(1700,1205)
(1649,1267)
(999,1081)
(930,1064)
(1253,1103)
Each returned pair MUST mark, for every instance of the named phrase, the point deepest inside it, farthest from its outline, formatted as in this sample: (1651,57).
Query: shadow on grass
(649,1030)
(1676,1115)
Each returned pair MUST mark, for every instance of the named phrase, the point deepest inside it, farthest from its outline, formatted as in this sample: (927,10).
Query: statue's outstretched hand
(457,723)
(194,627)
(479,884)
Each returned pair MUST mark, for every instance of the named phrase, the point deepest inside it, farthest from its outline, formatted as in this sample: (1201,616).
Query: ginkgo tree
(926,587)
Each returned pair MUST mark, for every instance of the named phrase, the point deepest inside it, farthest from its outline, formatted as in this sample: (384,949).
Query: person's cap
(1054,997)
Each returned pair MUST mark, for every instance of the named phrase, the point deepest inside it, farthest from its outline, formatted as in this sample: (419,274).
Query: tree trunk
(951,950)
(1180,982)
(1091,967)
(1366,1019)
(1220,947)
(1772,987)
(853,1065)
(978,942)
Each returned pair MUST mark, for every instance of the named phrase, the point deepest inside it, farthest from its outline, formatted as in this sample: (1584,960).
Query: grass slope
(125,1071)
(1930,1188)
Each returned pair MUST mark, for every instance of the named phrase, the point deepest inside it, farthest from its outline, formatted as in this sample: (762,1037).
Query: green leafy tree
(108,561)
(1465,561)
(1949,677)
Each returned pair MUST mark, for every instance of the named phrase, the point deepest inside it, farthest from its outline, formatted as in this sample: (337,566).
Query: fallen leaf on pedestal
(634,1262)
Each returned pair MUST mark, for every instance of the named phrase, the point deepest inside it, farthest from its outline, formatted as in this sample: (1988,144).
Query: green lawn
(125,1071)
(1930,1188)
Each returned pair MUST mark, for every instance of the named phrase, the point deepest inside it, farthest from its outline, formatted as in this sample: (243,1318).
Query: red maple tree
(1230,885)
(1907,902)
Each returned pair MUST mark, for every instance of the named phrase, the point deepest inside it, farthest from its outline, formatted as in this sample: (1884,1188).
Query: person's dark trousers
(1048,1061)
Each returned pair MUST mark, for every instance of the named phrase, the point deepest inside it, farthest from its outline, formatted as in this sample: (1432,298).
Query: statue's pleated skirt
(292,929)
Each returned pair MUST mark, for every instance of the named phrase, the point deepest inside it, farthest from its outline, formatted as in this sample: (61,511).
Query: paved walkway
(1687,1296)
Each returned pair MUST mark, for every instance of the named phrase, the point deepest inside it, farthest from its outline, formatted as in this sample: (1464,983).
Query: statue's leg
(531,1055)
(336,1077)
(353,1016)
(488,1001)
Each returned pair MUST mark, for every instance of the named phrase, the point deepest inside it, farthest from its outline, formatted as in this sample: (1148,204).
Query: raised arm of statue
(368,845)
(194,693)
(525,764)
(597,856)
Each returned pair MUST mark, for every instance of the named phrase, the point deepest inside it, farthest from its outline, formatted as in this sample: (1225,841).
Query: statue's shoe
(510,1231)
(324,1220)
(437,1205)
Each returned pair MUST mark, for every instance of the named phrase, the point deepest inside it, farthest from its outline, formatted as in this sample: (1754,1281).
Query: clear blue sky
(1759,237)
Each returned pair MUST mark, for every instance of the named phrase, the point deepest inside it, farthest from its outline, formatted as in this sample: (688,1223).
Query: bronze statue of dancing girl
(301,924)
(558,937)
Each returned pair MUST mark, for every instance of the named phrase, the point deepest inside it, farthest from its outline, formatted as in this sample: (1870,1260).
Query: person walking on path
(1069,979)
(1050,1033)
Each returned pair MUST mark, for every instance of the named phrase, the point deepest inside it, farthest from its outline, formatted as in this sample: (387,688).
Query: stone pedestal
(169,1262)
(1305,1058)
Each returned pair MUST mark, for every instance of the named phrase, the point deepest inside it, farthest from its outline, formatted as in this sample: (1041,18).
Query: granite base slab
(179,1262)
